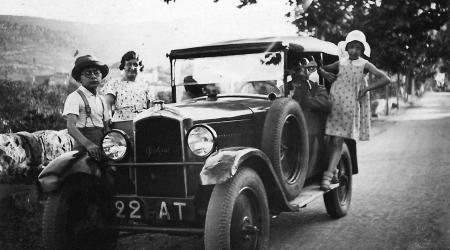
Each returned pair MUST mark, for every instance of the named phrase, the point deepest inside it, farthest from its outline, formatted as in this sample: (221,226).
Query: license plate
(129,208)
(152,209)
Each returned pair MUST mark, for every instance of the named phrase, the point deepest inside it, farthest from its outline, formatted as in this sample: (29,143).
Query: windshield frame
(173,77)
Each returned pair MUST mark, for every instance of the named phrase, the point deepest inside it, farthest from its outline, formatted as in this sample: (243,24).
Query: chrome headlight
(115,145)
(202,140)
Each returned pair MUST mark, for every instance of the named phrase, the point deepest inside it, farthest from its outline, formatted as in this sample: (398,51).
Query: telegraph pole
(398,89)
(387,99)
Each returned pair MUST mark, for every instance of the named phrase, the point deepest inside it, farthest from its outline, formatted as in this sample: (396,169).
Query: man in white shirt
(86,112)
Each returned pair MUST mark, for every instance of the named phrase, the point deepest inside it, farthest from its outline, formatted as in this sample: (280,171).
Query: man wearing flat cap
(86,112)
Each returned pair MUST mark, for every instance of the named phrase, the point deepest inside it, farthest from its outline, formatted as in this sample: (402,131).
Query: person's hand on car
(94,151)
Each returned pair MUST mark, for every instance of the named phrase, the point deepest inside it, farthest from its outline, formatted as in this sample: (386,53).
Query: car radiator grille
(158,139)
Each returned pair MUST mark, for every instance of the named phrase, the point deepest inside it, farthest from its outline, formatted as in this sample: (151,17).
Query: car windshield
(260,73)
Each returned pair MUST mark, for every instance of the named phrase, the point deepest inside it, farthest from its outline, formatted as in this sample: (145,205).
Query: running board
(308,194)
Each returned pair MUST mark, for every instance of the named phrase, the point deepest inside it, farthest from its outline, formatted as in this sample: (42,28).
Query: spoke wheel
(337,201)
(246,221)
(238,214)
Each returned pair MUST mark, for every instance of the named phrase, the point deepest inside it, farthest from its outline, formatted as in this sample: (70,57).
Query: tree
(406,36)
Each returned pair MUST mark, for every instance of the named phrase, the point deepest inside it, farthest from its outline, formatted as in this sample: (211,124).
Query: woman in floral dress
(128,96)
(350,112)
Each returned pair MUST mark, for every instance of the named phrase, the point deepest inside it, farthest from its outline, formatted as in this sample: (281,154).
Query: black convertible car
(230,150)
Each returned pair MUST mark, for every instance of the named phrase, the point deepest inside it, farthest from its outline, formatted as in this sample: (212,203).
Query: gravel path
(401,196)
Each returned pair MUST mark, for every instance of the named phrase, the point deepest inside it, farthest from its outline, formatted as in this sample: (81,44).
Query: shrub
(25,107)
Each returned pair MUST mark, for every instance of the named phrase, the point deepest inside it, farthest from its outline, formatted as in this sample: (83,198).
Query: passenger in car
(309,94)
(348,93)
(130,94)
(192,88)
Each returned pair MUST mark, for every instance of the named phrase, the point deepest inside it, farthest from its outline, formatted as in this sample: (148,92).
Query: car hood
(202,110)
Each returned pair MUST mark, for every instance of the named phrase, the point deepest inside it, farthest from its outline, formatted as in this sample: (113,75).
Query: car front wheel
(74,215)
(238,214)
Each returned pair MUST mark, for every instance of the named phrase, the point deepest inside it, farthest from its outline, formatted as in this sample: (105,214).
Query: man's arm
(324,71)
(320,100)
(331,67)
(93,149)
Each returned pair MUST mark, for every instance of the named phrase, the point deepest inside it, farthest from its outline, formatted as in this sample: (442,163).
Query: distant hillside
(34,46)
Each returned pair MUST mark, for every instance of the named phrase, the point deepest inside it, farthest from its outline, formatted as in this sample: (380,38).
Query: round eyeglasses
(94,72)
(311,68)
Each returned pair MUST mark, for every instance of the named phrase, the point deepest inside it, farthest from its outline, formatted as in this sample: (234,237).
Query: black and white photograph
(224,124)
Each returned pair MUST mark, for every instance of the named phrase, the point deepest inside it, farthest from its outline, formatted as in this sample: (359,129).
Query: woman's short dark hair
(129,56)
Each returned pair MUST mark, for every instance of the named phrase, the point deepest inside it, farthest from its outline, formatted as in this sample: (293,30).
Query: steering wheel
(260,87)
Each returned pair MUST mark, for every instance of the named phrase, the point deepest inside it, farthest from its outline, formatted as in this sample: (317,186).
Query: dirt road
(400,198)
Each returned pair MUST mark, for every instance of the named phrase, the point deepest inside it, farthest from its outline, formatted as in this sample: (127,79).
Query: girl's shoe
(326,180)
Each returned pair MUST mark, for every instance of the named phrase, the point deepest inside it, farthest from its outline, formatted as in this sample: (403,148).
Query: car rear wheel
(74,215)
(238,214)
(337,201)
(285,141)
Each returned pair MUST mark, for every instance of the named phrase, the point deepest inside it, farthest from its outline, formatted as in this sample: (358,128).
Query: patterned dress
(131,97)
(349,118)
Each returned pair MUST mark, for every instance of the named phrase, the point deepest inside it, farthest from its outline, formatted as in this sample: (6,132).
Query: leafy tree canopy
(405,35)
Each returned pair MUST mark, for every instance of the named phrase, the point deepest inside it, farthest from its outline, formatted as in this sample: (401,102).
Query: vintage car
(230,151)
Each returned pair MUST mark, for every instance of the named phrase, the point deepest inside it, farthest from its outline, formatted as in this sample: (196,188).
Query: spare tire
(285,142)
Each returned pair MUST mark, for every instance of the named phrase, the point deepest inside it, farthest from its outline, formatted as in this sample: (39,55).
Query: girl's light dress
(349,117)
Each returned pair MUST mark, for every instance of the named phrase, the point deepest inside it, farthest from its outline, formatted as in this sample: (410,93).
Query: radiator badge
(158,150)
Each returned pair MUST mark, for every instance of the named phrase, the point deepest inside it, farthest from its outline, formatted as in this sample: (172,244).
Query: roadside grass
(20,223)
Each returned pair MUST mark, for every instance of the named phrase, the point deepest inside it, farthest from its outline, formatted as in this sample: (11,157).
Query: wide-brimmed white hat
(356,35)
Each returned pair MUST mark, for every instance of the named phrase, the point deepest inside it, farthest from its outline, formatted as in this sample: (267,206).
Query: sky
(188,22)
(135,11)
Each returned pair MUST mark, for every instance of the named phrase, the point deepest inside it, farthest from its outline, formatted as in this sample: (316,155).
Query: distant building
(59,79)
(149,76)
(39,79)
(29,79)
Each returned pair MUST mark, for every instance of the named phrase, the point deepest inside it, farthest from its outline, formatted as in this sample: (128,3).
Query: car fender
(223,164)
(66,165)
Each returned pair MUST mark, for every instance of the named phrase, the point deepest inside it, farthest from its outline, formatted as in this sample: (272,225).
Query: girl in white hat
(349,89)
